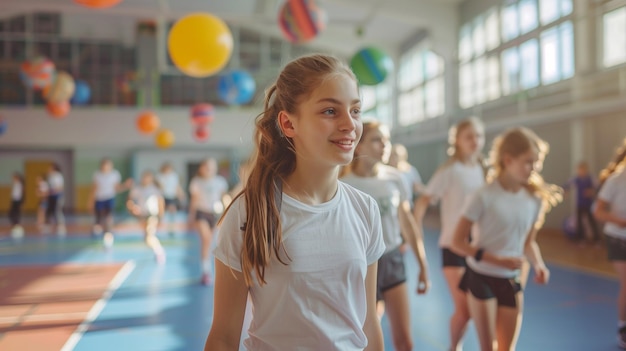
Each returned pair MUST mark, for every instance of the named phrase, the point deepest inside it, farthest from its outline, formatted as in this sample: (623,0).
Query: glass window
(465,43)
(491,29)
(528,15)
(566,7)
(614,36)
(548,11)
(550,71)
(478,36)
(510,24)
(434,65)
(466,99)
(368,98)
(493,78)
(567,50)
(480,70)
(529,59)
(434,97)
(510,71)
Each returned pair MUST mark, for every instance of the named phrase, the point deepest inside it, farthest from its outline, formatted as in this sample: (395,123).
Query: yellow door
(33,168)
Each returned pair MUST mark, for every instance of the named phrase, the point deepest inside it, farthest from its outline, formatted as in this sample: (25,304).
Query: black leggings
(581,212)
(15,213)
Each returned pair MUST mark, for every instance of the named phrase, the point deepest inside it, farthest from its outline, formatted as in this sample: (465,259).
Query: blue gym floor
(165,308)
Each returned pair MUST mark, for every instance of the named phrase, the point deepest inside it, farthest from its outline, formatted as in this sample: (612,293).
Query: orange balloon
(98,4)
(58,110)
(164,138)
(148,122)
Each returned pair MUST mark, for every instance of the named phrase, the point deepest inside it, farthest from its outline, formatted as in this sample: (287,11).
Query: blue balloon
(236,87)
(82,93)
(3,127)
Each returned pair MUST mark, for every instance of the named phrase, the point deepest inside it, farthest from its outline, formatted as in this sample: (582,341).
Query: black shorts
(171,202)
(391,272)
(615,248)
(485,287)
(210,218)
(451,259)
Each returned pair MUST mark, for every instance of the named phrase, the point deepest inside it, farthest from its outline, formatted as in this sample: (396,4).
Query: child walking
(173,194)
(585,187)
(54,208)
(611,209)
(15,210)
(296,236)
(506,213)
(42,195)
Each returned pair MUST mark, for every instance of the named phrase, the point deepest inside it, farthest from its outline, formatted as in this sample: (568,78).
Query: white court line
(99,305)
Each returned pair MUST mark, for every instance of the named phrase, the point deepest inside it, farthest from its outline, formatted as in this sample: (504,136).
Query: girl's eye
(330,111)
(356,112)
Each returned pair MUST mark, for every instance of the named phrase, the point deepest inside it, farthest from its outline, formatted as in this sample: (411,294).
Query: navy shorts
(451,259)
(391,272)
(210,218)
(104,206)
(615,248)
(485,287)
(172,202)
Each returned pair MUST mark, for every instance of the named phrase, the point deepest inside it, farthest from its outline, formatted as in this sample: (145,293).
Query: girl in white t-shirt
(15,210)
(461,175)
(368,173)
(145,202)
(399,159)
(173,194)
(106,184)
(42,196)
(506,214)
(54,209)
(611,209)
(303,245)
(209,193)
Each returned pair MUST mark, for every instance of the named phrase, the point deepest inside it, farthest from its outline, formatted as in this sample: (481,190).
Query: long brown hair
(274,158)
(515,142)
(453,145)
(618,163)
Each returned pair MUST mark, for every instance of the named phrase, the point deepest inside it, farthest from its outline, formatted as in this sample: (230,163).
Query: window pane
(368,98)
(550,56)
(529,59)
(567,50)
(417,104)
(491,28)
(614,37)
(478,36)
(434,65)
(510,24)
(548,11)
(465,85)
(465,43)
(404,109)
(479,73)
(510,71)
(493,78)
(528,15)
(566,7)
(434,98)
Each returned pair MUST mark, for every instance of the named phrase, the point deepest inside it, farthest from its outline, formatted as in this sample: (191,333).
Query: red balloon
(201,133)
(202,114)
(98,4)
(58,110)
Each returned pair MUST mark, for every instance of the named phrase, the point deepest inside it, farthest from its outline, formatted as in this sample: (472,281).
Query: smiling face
(327,125)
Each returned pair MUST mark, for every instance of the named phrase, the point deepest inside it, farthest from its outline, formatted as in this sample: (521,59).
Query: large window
(614,35)
(421,86)
(376,102)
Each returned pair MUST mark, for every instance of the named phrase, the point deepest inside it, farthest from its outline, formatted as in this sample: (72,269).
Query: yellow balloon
(164,138)
(200,44)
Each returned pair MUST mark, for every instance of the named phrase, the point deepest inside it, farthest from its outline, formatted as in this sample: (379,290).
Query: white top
(503,221)
(411,177)
(614,192)
(17,191)
(43,187)
(318,300)
(55,179)
(169,184)
(106,183)
(147,197)
(209,192)
(452,184)
(389,190)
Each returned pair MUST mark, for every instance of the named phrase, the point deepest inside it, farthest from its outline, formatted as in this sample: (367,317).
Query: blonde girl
(458,178)
(611,209)
(173,194)
(301,243)
(369,173)
(506,213)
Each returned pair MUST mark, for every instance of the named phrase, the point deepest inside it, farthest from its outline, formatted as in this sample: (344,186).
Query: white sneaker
(61,230)
(17,232)
(107,240)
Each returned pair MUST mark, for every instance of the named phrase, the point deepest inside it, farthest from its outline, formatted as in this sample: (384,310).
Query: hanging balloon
(147,122)
(37,73)
(58,110)
(200,44)
(98,4)
(236,87)
(202,114)
(201,133)
(61,89)
(3,126)
(371,66)
(301,20)
(164,138)
(82,93)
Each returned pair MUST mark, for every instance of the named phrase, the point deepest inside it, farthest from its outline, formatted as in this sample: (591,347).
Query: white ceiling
(385,23)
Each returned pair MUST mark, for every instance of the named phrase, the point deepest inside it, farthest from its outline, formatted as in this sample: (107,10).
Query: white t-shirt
(43,187)
(55,179)
(318,300)
(147,197)
(503,220)
(209,192)
(614,192)
(106,183)
(169,184)
(411,177)
(452,185)
(17,191)
(389,190)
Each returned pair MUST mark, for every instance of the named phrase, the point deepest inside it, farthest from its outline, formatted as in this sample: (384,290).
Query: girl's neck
(366,169)
(468,159)
(312,185)
(508,183)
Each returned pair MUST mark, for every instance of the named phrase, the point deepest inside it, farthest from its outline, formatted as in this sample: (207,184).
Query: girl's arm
(128,183)
(372,327)
(603,213)
(92,197)
(229,309)
(533,253)
(461,246)
(421,205)
(412,234)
